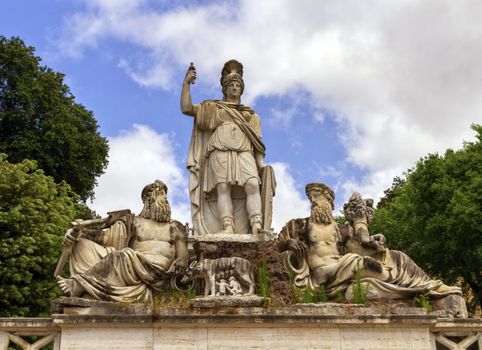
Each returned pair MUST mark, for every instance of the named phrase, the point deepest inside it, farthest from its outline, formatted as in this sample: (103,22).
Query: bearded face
(321,212)
(156,207)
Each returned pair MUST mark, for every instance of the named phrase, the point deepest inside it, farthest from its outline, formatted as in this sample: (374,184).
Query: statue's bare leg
(253,204)
(69,287)
(225,206)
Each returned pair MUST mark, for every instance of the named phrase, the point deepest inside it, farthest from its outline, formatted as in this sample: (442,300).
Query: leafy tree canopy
(34,215)
(435,215)
(40,120)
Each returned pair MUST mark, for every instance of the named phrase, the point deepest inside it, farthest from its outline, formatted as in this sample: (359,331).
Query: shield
(268,186)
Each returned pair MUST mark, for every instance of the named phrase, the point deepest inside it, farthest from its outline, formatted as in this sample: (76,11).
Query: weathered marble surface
(294,338)
(231,301)
(307,326)
(226,159)
(231,276)
(330,326)
(319,254)
(257,253)
(96,338)
(82,306)
(131,257)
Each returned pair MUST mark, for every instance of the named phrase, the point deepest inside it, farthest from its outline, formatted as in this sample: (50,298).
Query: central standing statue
(226,159)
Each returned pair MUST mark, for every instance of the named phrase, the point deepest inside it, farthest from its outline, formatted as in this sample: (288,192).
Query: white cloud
(137,157)
(402,77)
(288,203)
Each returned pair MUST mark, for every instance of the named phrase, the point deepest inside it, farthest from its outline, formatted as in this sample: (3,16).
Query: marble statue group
(226,159)
(128,257)
(132,257)
(321,251)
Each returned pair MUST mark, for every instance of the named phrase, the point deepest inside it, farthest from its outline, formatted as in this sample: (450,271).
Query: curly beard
(156,210)
(321,214)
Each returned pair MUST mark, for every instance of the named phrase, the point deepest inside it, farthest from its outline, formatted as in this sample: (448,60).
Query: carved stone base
(82,306)
(229,301)
(244,246)
(256,252)
(451,306)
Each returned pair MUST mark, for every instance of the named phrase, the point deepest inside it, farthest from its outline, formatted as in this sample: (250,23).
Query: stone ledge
(241,321)
(240,318)
(465,324)
(306,315)
(321,310)
(81,306)
(230,301)
(233,237)
(19,323)
(92,313)
(284,317)
(97,320)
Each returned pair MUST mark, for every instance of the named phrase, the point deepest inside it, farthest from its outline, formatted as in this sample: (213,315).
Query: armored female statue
(226,159)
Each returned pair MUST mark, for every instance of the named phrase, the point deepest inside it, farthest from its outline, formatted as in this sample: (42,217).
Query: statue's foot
(69,287)
(228,224)
(228,230)
(446,289)
(256,228)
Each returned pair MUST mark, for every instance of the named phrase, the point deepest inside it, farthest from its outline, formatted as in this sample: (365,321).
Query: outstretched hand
(178,266)
(69,239)
(296,246)
(380,238)
(190,77)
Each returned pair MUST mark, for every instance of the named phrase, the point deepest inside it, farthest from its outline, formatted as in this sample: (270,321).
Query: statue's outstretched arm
(186,103)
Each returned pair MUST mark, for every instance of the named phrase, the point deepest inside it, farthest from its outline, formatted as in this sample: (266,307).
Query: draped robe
(224,140)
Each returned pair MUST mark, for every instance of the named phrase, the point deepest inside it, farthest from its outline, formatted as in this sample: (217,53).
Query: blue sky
(350,93)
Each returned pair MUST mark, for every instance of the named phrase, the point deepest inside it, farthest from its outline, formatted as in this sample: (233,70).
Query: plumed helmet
(232,70)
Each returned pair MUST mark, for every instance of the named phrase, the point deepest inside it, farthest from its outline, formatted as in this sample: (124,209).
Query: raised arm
(186,103)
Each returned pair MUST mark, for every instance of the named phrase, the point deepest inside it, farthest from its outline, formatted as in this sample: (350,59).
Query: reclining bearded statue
(320,251)
(130,258)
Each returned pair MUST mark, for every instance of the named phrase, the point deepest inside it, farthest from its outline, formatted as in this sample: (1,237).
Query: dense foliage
(435,215)
(40,120)
(34,214)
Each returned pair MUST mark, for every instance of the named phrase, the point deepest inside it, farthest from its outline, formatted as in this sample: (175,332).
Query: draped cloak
(224,139)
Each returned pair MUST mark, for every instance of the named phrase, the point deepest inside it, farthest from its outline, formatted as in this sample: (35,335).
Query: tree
(436,215)
(34,215)
(390,192)
(40,120)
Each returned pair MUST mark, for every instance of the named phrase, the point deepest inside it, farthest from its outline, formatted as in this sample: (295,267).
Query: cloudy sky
(351,93)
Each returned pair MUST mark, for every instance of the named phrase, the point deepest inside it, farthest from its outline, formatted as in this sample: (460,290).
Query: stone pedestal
(256,249)
(306,326)
(451,306)
(247,246)
(81,306)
